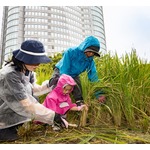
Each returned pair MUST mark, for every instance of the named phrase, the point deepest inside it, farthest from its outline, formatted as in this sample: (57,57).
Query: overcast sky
(126,26)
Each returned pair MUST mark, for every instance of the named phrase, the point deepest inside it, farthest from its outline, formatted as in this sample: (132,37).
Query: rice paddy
(122,119)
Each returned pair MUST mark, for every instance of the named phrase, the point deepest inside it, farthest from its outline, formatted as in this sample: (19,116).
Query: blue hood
(89,41)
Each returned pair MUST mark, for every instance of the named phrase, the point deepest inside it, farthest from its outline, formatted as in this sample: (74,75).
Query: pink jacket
(56,100)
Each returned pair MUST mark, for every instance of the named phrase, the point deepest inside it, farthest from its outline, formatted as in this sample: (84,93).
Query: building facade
(56,27)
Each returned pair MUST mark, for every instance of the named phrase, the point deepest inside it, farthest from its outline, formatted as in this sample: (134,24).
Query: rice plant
(124,82)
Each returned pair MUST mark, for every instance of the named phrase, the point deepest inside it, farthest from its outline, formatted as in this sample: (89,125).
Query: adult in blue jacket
(75,61)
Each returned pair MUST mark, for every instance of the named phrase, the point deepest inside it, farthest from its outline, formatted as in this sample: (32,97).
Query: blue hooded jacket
(74,60)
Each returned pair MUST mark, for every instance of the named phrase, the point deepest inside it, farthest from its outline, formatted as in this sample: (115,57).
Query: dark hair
(19,65)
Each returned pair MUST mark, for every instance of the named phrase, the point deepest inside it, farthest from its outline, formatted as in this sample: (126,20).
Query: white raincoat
(17,104)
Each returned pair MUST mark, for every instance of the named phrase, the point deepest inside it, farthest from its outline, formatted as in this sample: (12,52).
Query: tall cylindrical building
(56,27)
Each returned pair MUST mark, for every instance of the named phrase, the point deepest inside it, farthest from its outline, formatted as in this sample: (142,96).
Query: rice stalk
(83,118)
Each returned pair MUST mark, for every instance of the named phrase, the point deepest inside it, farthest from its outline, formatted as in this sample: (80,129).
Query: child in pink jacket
(59,99)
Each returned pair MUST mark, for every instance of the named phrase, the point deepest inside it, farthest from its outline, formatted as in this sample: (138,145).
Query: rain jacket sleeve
(70,103)
(38,111)
(92,72)
(24,103)
(40,89)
